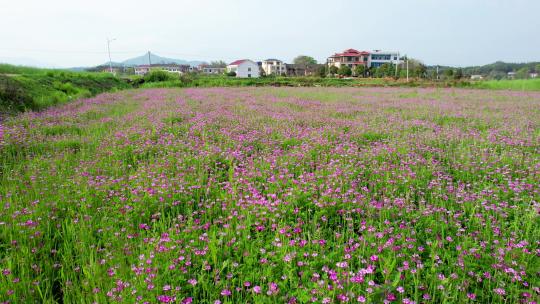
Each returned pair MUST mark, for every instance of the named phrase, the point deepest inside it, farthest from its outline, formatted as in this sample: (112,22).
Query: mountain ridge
(154,59)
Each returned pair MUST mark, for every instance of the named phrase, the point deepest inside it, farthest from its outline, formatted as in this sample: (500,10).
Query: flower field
(273,195)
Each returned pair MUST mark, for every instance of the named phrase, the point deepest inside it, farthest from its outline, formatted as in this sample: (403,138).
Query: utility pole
(149,60)
(407,59)
(109,51)
(397,64)
(437,72)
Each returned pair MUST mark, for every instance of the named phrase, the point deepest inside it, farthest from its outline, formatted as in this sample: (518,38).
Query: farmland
(273,195)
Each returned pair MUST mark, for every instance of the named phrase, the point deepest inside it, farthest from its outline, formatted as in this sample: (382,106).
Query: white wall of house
(141,71)
(213,70)
(246,69)
(275,67)
(378,58)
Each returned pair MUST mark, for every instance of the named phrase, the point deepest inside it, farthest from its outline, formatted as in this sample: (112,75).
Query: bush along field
(273,195)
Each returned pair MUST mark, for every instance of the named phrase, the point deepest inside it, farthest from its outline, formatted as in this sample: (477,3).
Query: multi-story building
(350,57)
(273,67)
(378,58)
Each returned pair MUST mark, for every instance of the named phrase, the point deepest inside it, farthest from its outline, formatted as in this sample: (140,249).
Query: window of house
(249,69)
(249,75)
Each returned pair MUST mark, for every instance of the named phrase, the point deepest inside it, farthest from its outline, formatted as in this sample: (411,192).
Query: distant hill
(496,70)
(143,59)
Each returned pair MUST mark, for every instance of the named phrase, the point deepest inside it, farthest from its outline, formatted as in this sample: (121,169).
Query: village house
(107,69)
(353,58)
(477,77)
(301,69)
(171,68)
(211,69)
(350,57)
(273,67)
(378,58)
(244,68)
(141,69)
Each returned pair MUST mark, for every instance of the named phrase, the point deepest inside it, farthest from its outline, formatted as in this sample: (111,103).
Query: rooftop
(237,62)
(351,52)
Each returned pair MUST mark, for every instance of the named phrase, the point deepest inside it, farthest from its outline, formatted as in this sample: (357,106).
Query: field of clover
(273,195)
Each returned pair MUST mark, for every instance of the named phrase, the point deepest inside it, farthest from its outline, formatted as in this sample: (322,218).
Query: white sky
(455,32)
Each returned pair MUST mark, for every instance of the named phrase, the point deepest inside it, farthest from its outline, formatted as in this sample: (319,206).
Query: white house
(350,58)
(477,77)
(211,69)
(244,68)
(378,58)
(171,68)
(273,67)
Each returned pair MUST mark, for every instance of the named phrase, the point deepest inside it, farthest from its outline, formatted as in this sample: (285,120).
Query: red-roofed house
(350,57)
(244,68)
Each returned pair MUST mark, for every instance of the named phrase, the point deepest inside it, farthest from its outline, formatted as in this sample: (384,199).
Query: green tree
(458,74)
(344,70)
(360,70)
(537,68)
(159,76)
(321,71)
(498,75)
(522,73)
(305,60)
(376,72)
(385,70)
(420,70)
(333,70)
(218,63)
(449,73)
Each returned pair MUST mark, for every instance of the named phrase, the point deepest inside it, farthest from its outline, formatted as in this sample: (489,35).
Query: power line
(67,51)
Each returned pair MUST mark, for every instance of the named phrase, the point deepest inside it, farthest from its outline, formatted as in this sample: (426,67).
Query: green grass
(516,85)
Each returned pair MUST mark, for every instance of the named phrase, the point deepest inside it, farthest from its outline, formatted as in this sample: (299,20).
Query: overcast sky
(66,33)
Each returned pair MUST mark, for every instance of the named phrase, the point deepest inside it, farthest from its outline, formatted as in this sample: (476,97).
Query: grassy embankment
(23,88)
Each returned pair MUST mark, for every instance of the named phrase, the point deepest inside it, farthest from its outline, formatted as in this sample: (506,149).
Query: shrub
(345,70)
(13,97)
(159,76)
